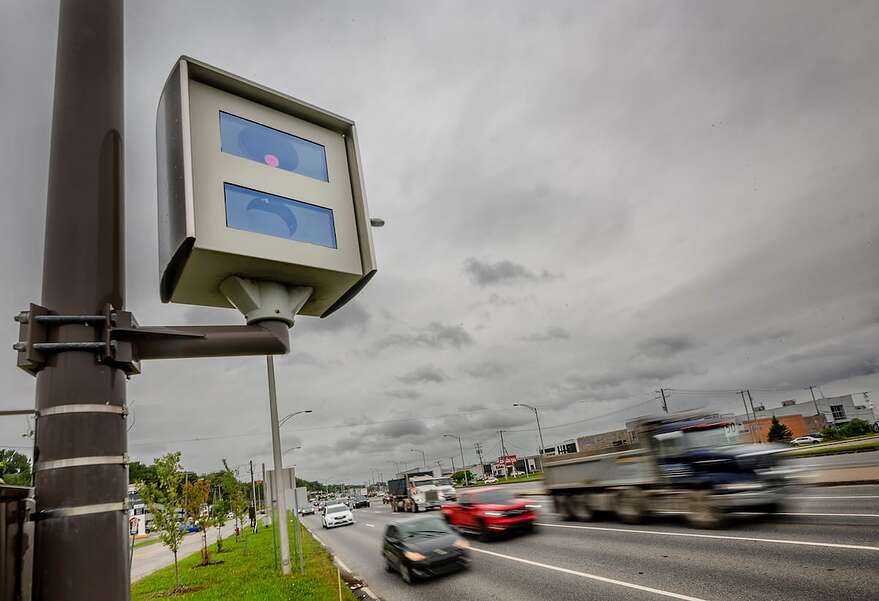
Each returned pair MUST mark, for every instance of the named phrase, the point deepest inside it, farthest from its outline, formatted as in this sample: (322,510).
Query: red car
(490,511)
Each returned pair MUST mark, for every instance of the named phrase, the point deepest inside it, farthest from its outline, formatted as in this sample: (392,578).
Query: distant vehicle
(358,502)
(421,491)
(804,440)
(491,511)
(490,480)
(423,547)
(306,510)
(336,515)
(688,462)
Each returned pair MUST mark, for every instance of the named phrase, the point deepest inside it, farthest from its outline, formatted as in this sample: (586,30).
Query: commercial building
(816,414)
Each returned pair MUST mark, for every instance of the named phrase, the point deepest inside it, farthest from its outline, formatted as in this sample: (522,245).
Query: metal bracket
(57,464)
(121,410)
(67,512)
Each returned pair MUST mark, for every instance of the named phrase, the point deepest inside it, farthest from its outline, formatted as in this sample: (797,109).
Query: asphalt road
(827,548)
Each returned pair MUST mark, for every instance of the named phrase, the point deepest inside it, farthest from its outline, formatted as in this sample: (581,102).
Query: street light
(463,464)
(539,431)
(292,449)
(290,416)
(423,457)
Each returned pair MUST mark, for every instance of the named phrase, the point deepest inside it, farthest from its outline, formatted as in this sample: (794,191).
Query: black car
(424,547)
(358,502)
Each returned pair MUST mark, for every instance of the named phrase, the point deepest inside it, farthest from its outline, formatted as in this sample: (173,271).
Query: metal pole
(271,511)
(463,463)
(80,545)
(753,411)
(664,400)
(751,424)
(277,479)
(297,526)
(814,400)
(539,431)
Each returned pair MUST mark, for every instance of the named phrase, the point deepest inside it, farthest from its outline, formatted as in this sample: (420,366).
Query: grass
(248,577)
(144,543)
(529,478)
(853,448)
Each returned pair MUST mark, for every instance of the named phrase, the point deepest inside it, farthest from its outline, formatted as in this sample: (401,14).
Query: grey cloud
(666,346)
(484,273)
(434,336)
(406,394)
(550,333)
(484,370)
(423,375)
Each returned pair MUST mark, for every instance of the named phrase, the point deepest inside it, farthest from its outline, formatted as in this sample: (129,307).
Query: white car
(336,515)
(806,440)
(491,480)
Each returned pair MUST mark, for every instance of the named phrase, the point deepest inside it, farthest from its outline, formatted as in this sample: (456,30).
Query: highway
(825,548)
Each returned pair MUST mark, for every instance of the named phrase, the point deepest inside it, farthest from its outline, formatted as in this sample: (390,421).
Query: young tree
(778,432)
(15,468)
(162,498)
(240,504)
(195,501)
(219,515)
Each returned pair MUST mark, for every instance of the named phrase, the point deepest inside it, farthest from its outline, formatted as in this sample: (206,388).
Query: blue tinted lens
(271,147)
(272,215)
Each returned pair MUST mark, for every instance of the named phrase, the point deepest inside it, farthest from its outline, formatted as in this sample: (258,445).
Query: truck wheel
(701,513)
(631,506)
(578,508)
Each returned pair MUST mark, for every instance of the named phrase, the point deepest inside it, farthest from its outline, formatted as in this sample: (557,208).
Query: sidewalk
(153,557)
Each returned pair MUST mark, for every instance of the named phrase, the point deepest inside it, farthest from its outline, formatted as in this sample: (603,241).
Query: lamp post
(296,448)
(539,431)
(423,456)
(463,463)
(290,416)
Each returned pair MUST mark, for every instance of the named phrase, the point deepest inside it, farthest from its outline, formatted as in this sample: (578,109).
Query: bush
(856,427)
(778,432)
(831,433)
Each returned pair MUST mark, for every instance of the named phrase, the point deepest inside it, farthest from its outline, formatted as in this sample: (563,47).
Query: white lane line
(842,498)
(366,590)
(342,565)
(367,524)
(590,576)
(834,515)
(718,537)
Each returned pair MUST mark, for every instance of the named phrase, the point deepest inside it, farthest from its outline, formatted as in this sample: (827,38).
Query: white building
(836,410)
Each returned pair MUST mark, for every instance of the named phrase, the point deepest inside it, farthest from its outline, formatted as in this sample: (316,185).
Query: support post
(278,477)
(81,530)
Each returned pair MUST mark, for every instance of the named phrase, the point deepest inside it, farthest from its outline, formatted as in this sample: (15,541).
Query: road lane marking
(631,585)
(367,524)
(718,537)
(834,515)
(842,498)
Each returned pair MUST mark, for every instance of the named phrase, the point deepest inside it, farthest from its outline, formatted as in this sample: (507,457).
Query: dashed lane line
(716,537)
(631,585)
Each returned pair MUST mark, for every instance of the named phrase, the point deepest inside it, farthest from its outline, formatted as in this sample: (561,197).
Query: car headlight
(494,514)
(534,506)
(462,544)
(413,556)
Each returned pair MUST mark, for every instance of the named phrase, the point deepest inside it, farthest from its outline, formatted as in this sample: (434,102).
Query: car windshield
(495,497)
(710,437)
(441,482)
(424,527)
(336,509)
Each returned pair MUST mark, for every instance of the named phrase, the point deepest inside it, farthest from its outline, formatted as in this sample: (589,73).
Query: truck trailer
(684,463)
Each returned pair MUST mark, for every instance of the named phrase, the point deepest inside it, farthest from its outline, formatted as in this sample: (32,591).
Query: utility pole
(664,399)
(81,480)
(814,400)
(252,498)
(503,451)
(478,446)
(751,423)
(753,411)
(271,508)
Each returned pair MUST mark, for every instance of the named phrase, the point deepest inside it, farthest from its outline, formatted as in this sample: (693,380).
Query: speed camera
(258,185)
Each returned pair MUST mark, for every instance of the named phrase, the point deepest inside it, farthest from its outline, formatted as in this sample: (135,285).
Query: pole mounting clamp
(68,512)
(57,464)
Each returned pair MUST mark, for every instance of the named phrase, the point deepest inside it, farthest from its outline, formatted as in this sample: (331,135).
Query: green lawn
(816,451)
(529,478)
(248,577)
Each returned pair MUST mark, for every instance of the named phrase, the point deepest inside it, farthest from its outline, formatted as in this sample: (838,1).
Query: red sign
(507,459)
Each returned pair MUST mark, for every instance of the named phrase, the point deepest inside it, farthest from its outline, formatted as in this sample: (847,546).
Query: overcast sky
(585,202)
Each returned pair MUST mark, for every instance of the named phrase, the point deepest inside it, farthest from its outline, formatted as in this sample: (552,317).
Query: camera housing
(256,184)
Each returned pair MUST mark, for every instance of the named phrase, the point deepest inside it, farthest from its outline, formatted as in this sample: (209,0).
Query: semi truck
(684,463)
(420,491)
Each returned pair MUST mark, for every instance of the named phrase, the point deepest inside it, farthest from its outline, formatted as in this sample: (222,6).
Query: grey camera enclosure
(256,184)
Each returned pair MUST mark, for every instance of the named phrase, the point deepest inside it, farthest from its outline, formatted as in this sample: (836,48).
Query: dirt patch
(213,562)
(183,590)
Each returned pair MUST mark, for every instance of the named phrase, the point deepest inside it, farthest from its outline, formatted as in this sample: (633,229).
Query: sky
(585,202)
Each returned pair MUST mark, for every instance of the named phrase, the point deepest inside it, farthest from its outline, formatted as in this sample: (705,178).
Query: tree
(239,504)
(778,432)
(162,498)
(195,505)
(458,477)
(15,468)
